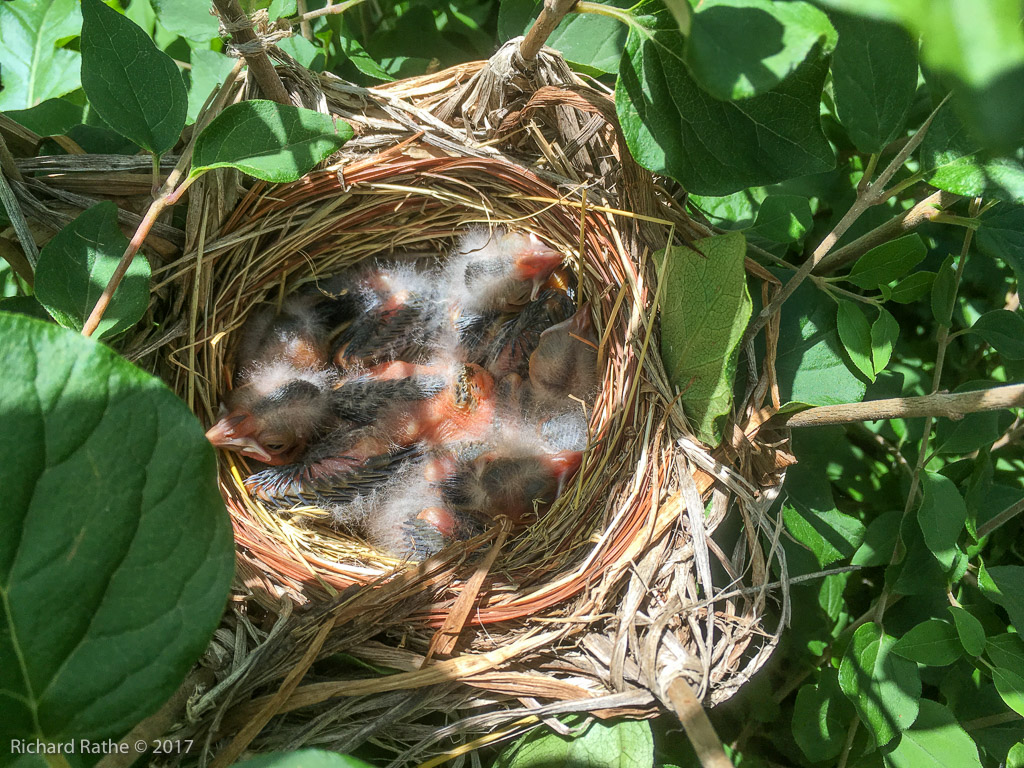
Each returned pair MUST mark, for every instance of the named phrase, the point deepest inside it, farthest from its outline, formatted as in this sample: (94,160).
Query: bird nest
(648,578)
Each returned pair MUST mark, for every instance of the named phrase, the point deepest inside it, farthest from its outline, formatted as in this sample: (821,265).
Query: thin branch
(325,11)
(909,220)
(1001,519)
(240,27)
(872,194)
(550,17)
(949,406)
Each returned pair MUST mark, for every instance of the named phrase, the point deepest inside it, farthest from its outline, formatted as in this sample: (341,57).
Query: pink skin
(236,432)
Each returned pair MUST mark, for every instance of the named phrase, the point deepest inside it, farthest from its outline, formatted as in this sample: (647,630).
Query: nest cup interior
(281,238)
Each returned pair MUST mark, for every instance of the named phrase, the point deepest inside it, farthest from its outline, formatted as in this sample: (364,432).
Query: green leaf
(809,360)
(270,141)
(34,68)
(874,78)
(887,262)
(303,758)
(955,161)
(944,293)
(885,689)
(109,486)
(351,48)
(855,333)
(1006,650)
(935,740)
(75,266)
(912,287)
(704,310)
(885,331)
(588,41)
(969,630)
(1011,687)
(783,218)
(280,9)
(54,117)
(1004,584)
(1003,330)
(714,147)
(879,540)
(190,19)
(625,744)
(133,85)
(941,516)
(829,534)
(1001,236)
(209,70)
(1015,757)
(934,643)
(308,55)
(820,720)
(737,49)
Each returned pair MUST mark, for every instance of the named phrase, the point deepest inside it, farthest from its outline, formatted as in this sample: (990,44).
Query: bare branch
(550,17)
(240,27)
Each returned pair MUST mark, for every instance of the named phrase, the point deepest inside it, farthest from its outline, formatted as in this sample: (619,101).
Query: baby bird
(394,310)
(518,336)
(280,398)
(564,365)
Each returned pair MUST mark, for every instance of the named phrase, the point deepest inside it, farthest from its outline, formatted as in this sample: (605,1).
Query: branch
(949,406)
(924,211)
(550,17)
(249,45)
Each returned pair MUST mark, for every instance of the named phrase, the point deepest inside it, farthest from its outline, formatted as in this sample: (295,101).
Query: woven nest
(615,599)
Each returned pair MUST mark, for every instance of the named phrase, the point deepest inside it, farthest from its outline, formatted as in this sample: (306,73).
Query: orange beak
(536,264)
(562,465)
(234,433)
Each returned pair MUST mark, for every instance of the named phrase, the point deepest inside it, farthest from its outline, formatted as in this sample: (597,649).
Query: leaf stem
(550,17)
(598,9)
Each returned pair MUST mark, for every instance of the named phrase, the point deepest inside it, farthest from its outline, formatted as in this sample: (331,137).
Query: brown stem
(550,17)
(241,32)
(871,194)
(1001,519)
(698,727)
(924,211)
(327,10)
(949,406)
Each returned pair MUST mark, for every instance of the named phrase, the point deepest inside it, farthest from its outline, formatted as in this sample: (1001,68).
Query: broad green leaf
(34,68)
(737,49)
(351,48)
(874,77)
(270,141)
(1010,685)
(969,630)
(887,262)
(280,9)
(821,717)
(855,333)
(941,516)
(110,486)
(133,85)
(704,311)
(735,211)
(628,743)
(944,292)
(919,572)
(1006,650)
(715,147)
(933,642)
(1001,236)
(1003,330)
(25,305)
(783,218)
(884,688)
(912,287)
(809,362)
(885,331)
(955,162)
(586,40)
(1004,584)
(974,430)
(75,266)
(830,534)
(1015,757)
(303,758)
(190,19)
(936,740)
(54,117)
(977,46)
(209,69)
(879,540)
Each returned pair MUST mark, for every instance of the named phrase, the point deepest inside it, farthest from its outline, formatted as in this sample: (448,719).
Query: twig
(701,733)
(305,18)
(550,17)
(872,194)
(924,211)
(9,202)
(949,406)
(1001,519)
(240,27)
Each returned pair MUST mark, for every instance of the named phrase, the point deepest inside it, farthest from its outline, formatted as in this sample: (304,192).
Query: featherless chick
(564,364)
